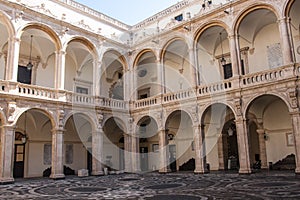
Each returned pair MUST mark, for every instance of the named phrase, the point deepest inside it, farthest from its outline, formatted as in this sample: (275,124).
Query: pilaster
(200,157)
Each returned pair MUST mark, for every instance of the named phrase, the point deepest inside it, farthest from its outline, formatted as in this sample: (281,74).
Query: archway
(78,144)
(114,144)
(147,130)
(295,27)
(218,122)
(213,55)
(179,130)
(274,128)
(261,41)
(33,144)
(112,80)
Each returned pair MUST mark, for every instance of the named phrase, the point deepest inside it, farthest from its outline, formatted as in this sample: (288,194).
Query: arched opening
(179,130)
(213,55)
(262,39)
(4,39)
(218,121)
(33,144)
(79,67)
(177,68)
(78,144)
(114,133)
(146,76)
(274,128)
(32,50)
(147,130)
(112,80)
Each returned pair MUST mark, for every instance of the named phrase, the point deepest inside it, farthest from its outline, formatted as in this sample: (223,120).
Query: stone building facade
(201,82)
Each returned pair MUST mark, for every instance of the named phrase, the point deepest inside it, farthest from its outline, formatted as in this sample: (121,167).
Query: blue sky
(128,11)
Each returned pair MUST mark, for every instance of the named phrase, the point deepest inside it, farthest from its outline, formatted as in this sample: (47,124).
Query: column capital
(14,39)
(260,131)
(58,131)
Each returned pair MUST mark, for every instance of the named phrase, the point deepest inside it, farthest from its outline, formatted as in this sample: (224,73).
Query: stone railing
(180,95)
(263,77)
(113,103)
(147,102)
(82,99)
(214,88)
(35,91)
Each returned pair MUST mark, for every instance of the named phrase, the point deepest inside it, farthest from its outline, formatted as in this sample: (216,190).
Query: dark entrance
(89,161)
(144,158)
(172,157)
(19,161)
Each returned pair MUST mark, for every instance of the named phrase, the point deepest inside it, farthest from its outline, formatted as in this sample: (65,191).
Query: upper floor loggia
(213,52)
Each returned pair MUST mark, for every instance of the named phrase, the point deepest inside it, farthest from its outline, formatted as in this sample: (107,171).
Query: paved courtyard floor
(154,186)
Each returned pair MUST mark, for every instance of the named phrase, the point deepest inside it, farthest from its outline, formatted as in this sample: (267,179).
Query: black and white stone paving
(154,186)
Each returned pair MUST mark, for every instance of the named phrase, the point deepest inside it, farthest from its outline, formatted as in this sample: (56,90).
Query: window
(144,93)
(179,18)
(24,75)
(227,71)
(47,154)
(82,90)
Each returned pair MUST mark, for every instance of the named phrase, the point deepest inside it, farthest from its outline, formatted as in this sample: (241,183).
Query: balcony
(245,82)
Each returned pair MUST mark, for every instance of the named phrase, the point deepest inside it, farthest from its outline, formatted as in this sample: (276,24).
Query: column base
(245,171)
(163,171)
(297,171)
(98,173)
(200,171)
(57,176)
(4,181)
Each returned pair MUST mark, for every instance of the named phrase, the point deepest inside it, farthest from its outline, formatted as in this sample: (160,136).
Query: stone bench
(83,172)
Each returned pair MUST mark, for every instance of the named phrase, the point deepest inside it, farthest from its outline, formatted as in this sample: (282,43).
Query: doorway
(19,158)
(172,157)
(144,158)
(89,160)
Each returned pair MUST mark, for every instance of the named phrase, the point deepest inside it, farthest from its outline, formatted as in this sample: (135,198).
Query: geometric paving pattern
(154,186)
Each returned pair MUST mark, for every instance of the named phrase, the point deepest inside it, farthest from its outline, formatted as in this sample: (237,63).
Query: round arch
(208,105)
(121,57)
(54,123)
(179,110)
(208,25)
(287,7)
(5,18)
(246,11)
(248,104)
(140,54)
(118,120)
(86,42)
(45,28)
(85,116)
(169,42)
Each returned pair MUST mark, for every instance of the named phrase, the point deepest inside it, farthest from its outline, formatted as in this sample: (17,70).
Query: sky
(128,11)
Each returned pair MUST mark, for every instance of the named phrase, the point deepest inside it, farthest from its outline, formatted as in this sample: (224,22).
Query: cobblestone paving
(154,186)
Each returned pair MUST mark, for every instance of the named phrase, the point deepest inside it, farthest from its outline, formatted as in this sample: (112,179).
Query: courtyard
(151,186)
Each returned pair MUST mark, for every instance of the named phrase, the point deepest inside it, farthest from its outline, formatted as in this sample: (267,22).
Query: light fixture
(30,65)
(223,61)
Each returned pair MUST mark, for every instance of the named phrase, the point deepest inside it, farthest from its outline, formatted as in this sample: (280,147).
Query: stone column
(200,151)
(243,146)
(97,152)
(296,131)
(97,77)
(234,55)
(127,153)
(135,145)
(262,148)
(194,81)
(285,41)
(57,171)
(11,70)
(159,74)
(60,58)
(163,147)
(7,154)
(127,81)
